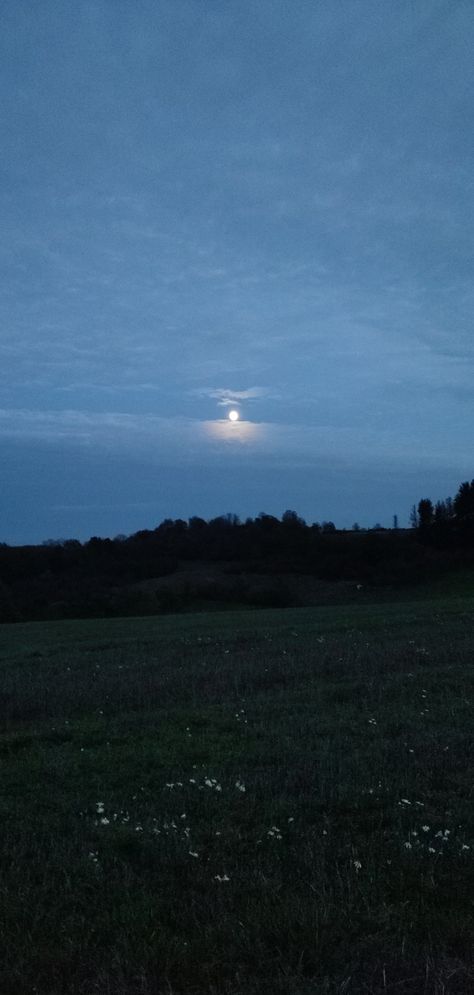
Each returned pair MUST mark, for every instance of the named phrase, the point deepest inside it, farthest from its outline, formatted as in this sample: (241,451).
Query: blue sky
(266,205)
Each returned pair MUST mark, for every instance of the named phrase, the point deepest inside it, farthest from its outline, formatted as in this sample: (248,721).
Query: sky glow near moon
(233,432)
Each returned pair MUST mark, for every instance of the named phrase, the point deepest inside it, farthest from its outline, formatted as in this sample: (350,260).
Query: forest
(188,565)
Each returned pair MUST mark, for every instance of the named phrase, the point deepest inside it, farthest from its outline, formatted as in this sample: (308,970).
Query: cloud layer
(255,205)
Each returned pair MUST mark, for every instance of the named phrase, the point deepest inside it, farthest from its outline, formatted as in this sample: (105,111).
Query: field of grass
(254,803)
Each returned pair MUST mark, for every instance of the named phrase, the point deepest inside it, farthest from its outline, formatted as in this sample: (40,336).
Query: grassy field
(254,803)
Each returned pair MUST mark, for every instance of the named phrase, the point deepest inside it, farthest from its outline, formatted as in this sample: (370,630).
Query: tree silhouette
(464,501)
(425,513)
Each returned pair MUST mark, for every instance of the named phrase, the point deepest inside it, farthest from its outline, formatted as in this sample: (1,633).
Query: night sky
(262,205)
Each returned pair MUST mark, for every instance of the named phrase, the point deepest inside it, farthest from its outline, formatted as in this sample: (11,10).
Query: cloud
(186,441)
(112,430)
(226,397)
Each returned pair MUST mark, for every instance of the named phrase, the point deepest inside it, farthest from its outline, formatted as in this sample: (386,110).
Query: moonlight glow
(233,415)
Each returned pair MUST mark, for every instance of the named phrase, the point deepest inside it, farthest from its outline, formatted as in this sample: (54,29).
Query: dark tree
(267,522)
(197,524)
(464,501)
(441,515)
(425,513)
(291,518)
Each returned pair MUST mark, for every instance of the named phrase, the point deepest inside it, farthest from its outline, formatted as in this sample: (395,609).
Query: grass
(230,804)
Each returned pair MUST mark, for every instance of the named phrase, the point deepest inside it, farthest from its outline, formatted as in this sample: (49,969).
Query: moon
(233,415)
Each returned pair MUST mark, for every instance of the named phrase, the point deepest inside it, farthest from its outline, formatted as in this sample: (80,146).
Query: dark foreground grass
(271,803)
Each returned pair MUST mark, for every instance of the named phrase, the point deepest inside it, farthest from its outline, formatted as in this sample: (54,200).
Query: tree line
(103,576)
(448,522)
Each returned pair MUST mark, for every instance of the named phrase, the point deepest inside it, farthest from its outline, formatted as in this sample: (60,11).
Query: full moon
(233,415)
